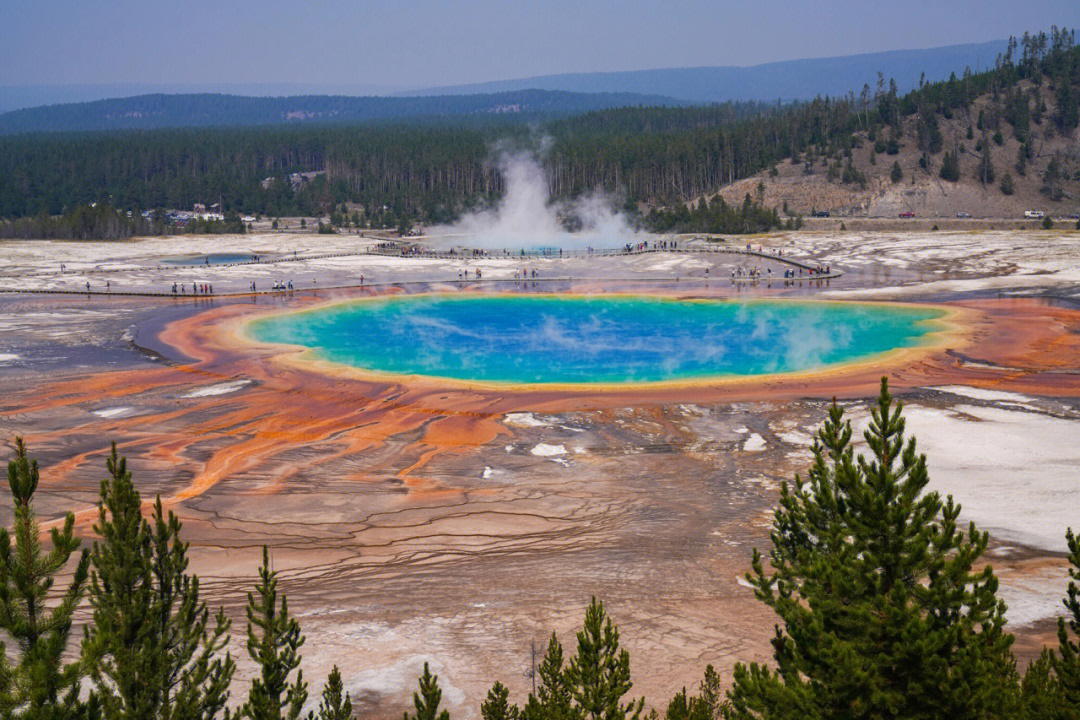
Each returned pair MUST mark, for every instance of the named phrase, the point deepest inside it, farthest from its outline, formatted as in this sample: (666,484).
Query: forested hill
(146,112)
(393,173)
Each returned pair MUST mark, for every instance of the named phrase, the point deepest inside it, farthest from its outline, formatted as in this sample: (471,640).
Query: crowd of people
(657,245)
(196,289)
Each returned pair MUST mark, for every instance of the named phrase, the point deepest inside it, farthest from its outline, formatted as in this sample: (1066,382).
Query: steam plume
(526,218)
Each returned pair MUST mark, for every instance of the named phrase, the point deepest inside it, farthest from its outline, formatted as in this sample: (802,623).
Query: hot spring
(582,340)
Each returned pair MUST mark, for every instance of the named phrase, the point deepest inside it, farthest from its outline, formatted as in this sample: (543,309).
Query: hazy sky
(416,43)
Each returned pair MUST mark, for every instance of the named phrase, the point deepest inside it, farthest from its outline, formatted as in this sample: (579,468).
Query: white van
(1033,214)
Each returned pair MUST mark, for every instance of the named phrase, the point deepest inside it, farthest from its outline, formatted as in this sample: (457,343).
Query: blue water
(571,339)
(215,259)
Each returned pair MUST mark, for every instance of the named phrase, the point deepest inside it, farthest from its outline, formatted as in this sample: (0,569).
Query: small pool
(583,340)
(210,259)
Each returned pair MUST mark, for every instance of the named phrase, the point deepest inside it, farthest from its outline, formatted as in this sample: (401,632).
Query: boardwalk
(414,252)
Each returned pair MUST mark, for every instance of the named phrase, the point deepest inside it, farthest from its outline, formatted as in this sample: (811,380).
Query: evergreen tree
(985,171)
(599,674)
(708,705)
(897,174)
(274,643)
(883,614)
(1041,692)
(427,699)
(335,703)
(1007,187)
(497,706)
(149,649)
(1066,662)
(1052,180)
(950,167)
(120,646)
(687,707)
(40,685)
(1068,108)
(712,696)
(195,678)
(552,700)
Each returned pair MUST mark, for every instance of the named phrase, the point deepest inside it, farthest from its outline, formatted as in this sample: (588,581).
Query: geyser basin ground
(568,339)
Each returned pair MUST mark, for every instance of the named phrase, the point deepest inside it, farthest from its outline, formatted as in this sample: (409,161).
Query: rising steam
(525,217)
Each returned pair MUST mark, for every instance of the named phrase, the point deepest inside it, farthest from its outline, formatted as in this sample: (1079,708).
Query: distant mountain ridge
(787,80)
(17,97)
(146,112)
(542,95)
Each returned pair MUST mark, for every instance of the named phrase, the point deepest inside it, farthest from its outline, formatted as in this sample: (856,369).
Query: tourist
(211,286)
(87,286)
(174,288)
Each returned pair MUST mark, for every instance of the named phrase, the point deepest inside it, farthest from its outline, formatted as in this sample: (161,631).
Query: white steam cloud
(526,218)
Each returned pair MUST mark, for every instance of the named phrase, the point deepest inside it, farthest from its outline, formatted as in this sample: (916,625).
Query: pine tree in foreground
(335,703)
(883,615)
(687,707)
(497,706)
(119,644)
(40,684)
(1041,692)
(150,648)
(273,642)
(1066,662)
(196,677)
(552,700)
(708,705)
(427,699)
(712,696)
(599,675)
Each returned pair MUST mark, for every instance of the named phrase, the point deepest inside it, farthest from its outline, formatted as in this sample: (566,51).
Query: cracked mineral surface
(413,520)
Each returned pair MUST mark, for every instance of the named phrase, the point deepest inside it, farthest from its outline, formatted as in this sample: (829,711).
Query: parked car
(908,214)
(821,213)
(962,214)
(1033,214)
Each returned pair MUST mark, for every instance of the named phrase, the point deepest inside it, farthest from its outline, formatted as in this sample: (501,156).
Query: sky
(414,43)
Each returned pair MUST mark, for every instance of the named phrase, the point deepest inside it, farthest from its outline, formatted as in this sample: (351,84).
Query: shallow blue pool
(213,258)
